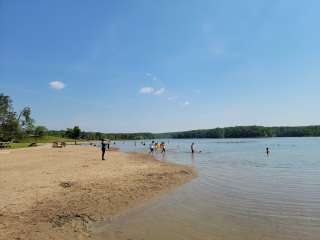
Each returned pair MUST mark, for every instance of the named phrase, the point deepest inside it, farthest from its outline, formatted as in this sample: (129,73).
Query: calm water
(240,194)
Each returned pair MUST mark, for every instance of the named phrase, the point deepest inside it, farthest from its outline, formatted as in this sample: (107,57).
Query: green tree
(9,125)
(25,120)
(98,135)
(40,131)
(73,133)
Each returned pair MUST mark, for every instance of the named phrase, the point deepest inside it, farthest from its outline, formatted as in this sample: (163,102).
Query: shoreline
(57,193)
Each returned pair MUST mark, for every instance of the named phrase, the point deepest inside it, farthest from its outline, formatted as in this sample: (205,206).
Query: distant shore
(51,193)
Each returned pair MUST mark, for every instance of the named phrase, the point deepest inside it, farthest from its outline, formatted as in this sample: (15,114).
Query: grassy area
(19,145)
(45,139)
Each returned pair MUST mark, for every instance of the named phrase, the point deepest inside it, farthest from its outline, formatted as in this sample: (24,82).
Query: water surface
(240,194)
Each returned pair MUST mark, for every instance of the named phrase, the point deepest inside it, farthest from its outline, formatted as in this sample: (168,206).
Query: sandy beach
(51,193)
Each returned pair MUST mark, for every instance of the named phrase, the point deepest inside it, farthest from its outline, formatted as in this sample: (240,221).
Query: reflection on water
(240,194)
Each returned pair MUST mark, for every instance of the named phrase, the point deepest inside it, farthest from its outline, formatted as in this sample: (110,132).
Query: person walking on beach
(103,148)
(192,148)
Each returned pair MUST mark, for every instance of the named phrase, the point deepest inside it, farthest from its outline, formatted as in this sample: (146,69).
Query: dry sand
(48,193)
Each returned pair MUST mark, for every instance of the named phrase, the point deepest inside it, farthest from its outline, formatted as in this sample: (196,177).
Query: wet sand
(51,193)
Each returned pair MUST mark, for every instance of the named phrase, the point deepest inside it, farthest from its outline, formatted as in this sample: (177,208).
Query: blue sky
(127,66)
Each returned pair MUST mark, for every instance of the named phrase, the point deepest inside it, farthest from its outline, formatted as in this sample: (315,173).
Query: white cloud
(147,90)
(186,103)
(57,85)
(151,90)
(159,91)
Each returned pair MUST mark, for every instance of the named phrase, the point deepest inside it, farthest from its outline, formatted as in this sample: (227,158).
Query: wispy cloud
(147,90)
(151,90)
(186,103)
(57,85)
(159,91)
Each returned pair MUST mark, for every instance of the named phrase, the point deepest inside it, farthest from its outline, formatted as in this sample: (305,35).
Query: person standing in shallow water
(151,147)
(163,147)
(192,148)
(268,151)
(103,148)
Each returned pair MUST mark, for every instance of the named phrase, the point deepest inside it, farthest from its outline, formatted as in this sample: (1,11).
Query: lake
(240,193)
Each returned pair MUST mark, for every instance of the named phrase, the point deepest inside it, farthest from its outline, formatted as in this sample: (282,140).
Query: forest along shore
(49,193)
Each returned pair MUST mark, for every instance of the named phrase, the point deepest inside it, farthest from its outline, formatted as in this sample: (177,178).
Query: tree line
(247,132)
(227,132)
(15,126)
